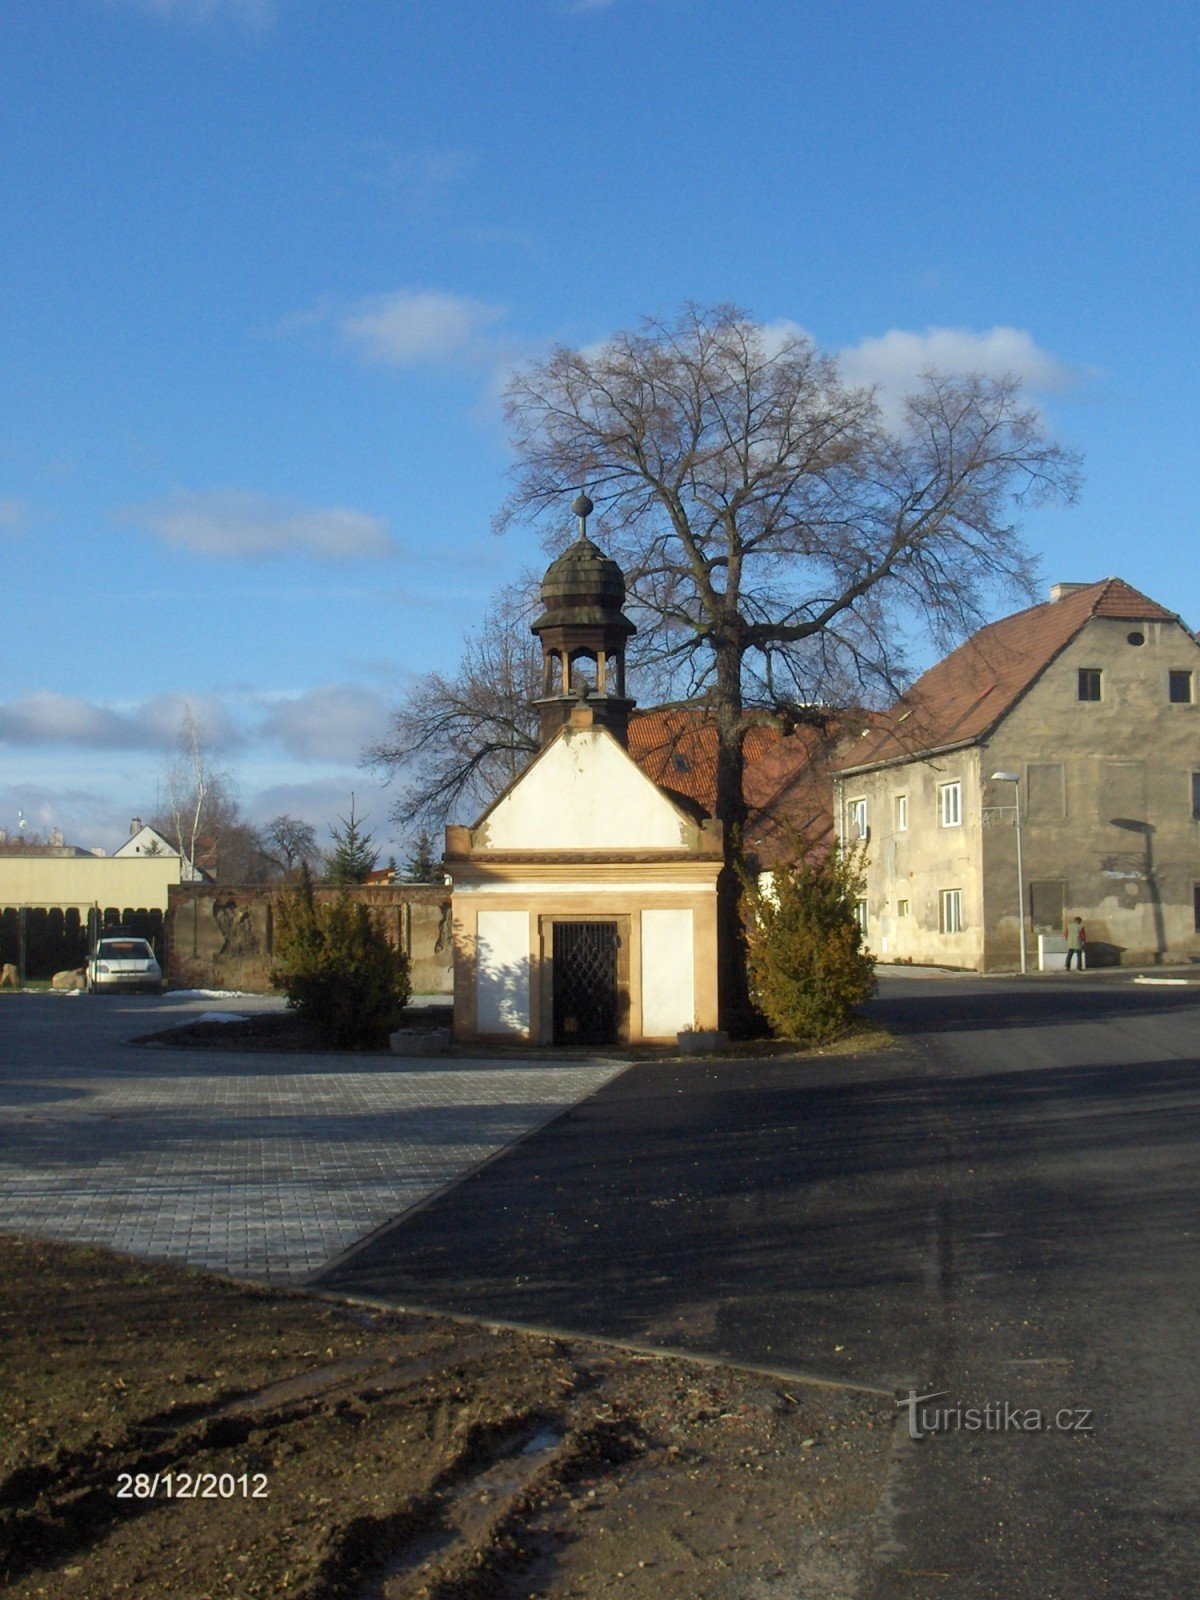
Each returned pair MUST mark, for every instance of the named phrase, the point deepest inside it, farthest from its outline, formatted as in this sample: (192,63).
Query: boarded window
(1047,905)
(1047,791)
(1122,791)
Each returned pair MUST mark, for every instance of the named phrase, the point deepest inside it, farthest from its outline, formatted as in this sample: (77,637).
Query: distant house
(145,840)
(1090,700)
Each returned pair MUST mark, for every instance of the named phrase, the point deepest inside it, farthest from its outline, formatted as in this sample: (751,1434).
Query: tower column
(583,592)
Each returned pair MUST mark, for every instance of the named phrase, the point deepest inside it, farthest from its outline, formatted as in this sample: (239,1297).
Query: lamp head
(1006,777)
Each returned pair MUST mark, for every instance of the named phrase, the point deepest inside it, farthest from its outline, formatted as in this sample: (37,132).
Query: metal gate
(585,983)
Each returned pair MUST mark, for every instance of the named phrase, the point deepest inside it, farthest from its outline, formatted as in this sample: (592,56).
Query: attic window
(1135,638)
(681,762)
(1180,688)
(1089,683)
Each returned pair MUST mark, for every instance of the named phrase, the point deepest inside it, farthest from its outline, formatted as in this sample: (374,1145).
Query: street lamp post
(1015,779)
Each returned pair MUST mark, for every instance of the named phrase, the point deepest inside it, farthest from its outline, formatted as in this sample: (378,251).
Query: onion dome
(583,587)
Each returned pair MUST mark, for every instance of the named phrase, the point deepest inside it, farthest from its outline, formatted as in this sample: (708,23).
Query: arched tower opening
(583,633)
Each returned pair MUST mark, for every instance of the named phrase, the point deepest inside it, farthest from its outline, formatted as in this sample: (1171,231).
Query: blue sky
(265,264)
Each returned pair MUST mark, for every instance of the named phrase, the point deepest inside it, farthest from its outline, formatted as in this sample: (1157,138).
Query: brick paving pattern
(258,1174)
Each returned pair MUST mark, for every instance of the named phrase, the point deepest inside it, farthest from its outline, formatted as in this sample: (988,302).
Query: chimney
(135,823)
(1059,591)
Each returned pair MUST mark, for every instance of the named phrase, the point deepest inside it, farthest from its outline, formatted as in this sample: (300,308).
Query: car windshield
(124,950)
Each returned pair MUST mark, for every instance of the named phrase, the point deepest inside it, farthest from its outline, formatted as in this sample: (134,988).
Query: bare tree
(772,527)
(775,530)
(198,811)
(287,841)
(458,741)
(190,783)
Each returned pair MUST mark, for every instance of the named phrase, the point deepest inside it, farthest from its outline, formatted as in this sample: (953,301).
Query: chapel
(585,896)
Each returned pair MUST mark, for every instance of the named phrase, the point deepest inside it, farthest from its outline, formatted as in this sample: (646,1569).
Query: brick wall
(220,937)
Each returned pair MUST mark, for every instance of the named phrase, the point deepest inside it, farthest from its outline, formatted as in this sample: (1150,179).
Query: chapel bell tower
(583,592)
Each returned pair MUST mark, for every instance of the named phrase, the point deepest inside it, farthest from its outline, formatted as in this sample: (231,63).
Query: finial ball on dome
(582,506)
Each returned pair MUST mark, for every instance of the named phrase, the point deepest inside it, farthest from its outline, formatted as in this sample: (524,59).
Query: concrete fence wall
(221,937)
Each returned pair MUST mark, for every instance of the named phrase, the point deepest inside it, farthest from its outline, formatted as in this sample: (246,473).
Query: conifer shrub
(804,948)
(338,968)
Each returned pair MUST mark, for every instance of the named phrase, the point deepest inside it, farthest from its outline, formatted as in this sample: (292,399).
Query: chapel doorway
(585,983)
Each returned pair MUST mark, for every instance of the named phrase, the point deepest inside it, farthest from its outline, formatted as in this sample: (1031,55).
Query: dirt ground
(178,1437)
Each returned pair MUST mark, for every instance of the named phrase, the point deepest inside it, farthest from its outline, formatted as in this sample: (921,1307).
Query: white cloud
(334,722)
(411,327)
(323,801)
(83,816)
(163,718)
(896,360)
(236,523)
(44,717)
(47,718)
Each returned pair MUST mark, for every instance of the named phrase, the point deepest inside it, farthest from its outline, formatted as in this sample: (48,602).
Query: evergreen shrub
(807,964)
(338,969)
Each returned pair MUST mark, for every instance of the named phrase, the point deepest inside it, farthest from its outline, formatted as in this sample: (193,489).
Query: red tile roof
(787,785)
(961,698)
(676,747)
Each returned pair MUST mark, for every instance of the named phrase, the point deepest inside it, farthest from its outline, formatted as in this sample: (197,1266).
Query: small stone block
(434,1043)
(702,1041)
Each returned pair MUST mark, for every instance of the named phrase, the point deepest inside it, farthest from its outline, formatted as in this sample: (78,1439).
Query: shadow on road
(751,1213)
(938,1007)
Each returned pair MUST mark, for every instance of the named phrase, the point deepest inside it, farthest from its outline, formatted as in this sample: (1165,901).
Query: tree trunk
(737,1014)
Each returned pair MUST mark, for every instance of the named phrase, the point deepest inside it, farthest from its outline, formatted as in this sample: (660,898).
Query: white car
(124,962)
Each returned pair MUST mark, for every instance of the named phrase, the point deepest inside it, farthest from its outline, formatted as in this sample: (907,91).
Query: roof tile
(965,694)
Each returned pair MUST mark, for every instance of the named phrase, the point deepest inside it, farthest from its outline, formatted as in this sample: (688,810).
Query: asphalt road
(1002,1208)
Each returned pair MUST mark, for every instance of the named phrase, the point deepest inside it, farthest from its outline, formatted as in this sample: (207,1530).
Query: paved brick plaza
(258,1167)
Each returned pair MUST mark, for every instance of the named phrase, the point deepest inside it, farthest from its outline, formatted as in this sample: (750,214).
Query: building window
(1047,905)
(860,916)
(1196,796)
(1196,906)
(950,913)
(1179,688)
(950,804)
(856,814)
(1089,683)
(901,908)
(901,813)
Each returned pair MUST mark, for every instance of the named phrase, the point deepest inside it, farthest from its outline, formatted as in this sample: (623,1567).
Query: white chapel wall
(502,946)
(584,793)
(668,973)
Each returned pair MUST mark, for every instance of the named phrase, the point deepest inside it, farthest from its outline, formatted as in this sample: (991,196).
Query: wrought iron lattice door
(585,983)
